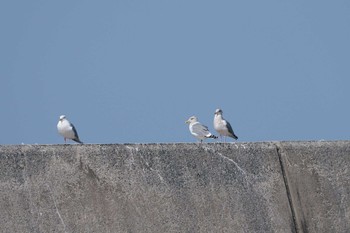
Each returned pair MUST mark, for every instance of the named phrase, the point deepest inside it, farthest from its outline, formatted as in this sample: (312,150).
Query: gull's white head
(192,119)
(62,117)
(218,111)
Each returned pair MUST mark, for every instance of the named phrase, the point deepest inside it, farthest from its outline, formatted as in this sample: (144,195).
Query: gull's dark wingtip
(213,136)
(77,140)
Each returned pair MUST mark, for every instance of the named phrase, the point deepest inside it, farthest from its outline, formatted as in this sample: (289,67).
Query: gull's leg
(65,140)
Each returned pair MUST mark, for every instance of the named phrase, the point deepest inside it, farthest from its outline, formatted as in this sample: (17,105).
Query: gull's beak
(187,122)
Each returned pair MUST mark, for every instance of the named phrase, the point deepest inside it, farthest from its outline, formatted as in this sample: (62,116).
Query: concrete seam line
(285,180)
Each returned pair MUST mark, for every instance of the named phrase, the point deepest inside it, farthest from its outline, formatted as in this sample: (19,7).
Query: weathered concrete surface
(241,187)
(318,177)
(143,188)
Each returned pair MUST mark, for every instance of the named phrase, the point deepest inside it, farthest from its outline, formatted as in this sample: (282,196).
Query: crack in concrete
(57,210)
(154,170)
(232,161)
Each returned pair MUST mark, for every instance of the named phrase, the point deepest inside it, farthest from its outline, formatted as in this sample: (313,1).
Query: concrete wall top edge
(183,143)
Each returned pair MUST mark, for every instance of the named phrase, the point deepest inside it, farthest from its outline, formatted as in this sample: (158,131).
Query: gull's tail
(77,140)
(212,136)
(234,136)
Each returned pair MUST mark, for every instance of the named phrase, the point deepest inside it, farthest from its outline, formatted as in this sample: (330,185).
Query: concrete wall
(241,187)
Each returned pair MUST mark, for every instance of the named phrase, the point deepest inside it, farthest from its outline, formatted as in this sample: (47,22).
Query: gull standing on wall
(198,130)
(67,130)
(222,126)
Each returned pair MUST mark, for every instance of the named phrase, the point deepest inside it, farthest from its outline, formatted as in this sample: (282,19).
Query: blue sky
(134,71)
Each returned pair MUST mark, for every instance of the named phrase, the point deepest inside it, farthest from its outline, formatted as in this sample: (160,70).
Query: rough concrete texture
(318,177)
(232,187)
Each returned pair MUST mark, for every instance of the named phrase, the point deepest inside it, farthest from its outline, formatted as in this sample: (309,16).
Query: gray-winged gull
(67,130)
(222,126)
(198,130)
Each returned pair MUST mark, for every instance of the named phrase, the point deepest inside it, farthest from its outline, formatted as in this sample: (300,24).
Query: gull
(222,126)
(198,130)
(67,130)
